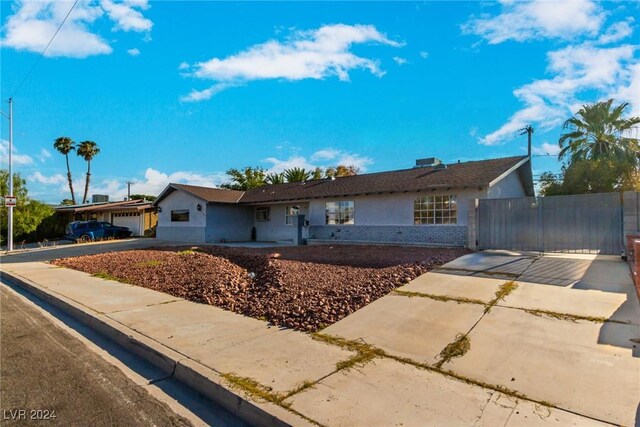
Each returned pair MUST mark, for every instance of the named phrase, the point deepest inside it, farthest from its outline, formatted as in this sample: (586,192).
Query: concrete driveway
(561,331)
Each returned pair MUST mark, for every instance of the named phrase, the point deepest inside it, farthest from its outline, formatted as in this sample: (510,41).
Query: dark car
(88,231)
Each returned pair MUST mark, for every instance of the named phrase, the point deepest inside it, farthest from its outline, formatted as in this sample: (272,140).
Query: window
(339,213)
(180,215)
(262,214)
(435,210)
(290,214)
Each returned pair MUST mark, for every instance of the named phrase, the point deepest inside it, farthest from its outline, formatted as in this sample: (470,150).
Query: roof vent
(428,162)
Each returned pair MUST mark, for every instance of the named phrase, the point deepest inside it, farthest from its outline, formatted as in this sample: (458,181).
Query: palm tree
(64,145)
(297,174)
(87,150)
(275,178)
(598,132)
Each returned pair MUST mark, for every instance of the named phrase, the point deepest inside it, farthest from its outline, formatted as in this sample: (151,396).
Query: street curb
(194,375)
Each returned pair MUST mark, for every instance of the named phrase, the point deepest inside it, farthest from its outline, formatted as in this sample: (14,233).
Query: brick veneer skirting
(437,235)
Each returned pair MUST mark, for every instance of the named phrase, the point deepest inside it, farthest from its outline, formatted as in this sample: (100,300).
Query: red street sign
(9,201)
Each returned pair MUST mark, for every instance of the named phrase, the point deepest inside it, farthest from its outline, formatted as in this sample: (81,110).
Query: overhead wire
(15,92)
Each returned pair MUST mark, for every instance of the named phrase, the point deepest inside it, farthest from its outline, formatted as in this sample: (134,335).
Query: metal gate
(585,223)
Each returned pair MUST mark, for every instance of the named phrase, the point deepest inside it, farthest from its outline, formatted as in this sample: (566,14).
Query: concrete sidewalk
(543,354)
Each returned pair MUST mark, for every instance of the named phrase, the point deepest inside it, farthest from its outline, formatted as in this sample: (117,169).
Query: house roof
(137,204)
(483,173)
(207,194)
(457,175)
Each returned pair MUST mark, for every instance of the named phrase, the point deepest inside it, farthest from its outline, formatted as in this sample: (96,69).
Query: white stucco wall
(391,209)
(508,187)
(276,228)
(188,231)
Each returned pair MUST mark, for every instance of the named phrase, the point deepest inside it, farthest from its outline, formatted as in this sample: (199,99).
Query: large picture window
(339,212)
(435,210)
(181,215)
(291,213)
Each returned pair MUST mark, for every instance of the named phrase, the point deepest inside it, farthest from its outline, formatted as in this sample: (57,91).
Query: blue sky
(182,91)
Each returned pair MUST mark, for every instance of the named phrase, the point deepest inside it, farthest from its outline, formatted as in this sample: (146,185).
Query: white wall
(391,209)
(276,228)
(188,231)
(508,187)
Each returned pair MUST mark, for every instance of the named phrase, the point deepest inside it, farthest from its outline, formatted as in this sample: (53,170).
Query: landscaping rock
(305,288)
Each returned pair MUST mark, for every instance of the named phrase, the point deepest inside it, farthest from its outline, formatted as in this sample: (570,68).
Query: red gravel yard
(305,287)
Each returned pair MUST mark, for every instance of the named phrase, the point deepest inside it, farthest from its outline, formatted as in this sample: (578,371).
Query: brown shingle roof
(208,194)
(457,175)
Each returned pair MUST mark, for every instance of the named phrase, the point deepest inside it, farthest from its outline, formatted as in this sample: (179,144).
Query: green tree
(341,170)
(599,152)
(143,197)
(275,178)
(245,179)
(28,213)
(64,145)
(297,174)
(318,173)
(590,176)
(66,202)
(87,150)
(598,132)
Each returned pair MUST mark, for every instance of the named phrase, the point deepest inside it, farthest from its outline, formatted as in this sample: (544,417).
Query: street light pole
(10,206)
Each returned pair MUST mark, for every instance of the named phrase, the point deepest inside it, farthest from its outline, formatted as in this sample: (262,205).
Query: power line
(15,92)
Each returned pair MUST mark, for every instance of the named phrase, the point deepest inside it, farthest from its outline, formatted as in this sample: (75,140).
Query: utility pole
(10,205)
(128,190)
(529,131)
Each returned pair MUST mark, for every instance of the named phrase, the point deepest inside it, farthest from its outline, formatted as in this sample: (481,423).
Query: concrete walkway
(557,346)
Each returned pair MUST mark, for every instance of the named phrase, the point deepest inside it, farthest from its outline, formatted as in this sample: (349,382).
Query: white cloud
(202,95)
(546,148)
(321,158)
(325,154)
(631,92)
(126,16)
(16,158)
(47,180)
(44,155)
(424,54)
(34,23)
(153,183)
(576,70)
(400,61)
(134,52)
(316,54)
(529,20)
(616,32)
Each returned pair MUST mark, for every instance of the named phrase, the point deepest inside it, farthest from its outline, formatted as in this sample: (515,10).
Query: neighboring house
(138,215)
(427,204)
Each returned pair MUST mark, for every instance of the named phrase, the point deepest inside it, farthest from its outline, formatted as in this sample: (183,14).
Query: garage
(128,219)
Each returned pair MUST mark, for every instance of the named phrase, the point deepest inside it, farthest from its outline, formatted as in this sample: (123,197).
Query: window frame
(435,210)
(288,215)
(345,212)
(179,213)
(267,217)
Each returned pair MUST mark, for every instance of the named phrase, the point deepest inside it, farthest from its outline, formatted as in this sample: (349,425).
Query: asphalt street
(48,377)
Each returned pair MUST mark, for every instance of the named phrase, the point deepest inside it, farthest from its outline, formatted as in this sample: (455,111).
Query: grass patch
(106,276)
(505,289)
(254,388)
(568,317)
(457,348)
(364,352)
(186,252)
(150,263)
(438,297)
